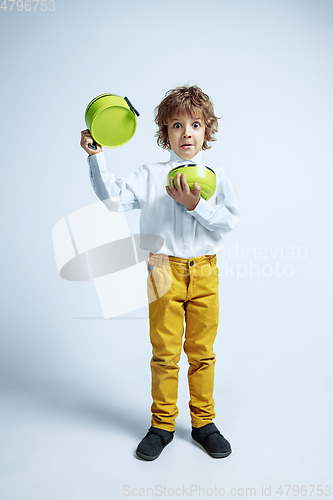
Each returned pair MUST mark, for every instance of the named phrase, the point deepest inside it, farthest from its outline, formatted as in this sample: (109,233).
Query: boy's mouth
(186,146)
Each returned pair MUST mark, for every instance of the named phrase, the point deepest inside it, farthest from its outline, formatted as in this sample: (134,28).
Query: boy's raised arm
(116,194)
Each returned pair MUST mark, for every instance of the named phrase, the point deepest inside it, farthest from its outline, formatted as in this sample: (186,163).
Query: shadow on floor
(72,401)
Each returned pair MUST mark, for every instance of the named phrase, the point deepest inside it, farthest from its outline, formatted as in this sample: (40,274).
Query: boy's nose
(187,133)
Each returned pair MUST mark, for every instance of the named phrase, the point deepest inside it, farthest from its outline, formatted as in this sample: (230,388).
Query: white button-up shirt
(166,226)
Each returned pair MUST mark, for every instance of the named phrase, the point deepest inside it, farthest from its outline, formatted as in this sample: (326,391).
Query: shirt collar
(196,159)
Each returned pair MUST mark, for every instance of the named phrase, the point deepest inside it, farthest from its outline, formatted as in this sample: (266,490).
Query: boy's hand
(183,194)
(87,139)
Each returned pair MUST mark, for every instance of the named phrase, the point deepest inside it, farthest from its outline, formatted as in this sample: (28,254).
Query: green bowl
(111,120)
(201,174)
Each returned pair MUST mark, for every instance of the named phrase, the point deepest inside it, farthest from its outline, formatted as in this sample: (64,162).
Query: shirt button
(191,263)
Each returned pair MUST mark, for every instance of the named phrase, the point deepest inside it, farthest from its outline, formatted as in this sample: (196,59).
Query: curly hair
(185,99)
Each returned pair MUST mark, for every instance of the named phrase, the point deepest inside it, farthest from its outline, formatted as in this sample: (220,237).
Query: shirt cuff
(97,162)
(203,209)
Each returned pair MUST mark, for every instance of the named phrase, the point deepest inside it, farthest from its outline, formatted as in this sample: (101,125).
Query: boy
(184,268)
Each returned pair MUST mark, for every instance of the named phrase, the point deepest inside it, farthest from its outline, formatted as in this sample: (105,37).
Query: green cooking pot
(111,120)
(201,174)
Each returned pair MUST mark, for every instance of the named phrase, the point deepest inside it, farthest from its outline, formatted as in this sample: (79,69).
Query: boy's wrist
(192,206)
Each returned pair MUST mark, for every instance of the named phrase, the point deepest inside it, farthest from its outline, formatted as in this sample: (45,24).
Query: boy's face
(186,134)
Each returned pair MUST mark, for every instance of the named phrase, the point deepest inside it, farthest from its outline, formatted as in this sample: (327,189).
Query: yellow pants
(181,289)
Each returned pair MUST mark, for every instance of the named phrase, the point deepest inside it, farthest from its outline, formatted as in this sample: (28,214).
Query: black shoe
(211,440)
(153,443)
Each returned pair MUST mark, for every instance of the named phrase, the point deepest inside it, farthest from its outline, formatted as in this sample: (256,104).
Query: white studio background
(76,387)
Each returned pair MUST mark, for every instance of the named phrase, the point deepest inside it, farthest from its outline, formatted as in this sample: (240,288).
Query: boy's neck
(196,159)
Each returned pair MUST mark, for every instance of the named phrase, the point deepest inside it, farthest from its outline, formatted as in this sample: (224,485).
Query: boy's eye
(196,124)
(177,125)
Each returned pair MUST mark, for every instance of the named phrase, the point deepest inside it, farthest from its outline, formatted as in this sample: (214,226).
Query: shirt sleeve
(117,194)
(225,213)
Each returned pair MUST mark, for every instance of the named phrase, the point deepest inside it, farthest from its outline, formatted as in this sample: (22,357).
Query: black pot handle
(132,107)
(93,145)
